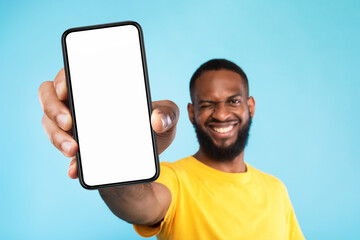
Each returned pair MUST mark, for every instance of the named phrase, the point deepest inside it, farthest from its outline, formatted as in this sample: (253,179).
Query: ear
(190,109)
(251,104)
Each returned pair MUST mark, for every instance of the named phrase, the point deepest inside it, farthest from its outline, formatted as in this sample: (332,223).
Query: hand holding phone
(52,95)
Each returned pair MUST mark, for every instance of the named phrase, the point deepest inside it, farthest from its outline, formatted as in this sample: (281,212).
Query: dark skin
(220,103)
(139,204)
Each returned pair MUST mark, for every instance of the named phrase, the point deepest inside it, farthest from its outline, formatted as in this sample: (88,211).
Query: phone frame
(72,108)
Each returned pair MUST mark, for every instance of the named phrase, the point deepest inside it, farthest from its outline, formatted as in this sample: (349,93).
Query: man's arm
(143,204)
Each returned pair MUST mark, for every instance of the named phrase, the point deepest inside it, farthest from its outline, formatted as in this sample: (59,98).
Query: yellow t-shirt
(211,204)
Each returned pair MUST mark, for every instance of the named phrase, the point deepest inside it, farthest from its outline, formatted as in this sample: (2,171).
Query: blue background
(302,61)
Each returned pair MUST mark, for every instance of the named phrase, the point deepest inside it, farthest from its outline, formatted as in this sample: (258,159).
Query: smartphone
(110,103)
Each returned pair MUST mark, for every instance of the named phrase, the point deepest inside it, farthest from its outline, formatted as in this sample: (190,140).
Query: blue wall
(302,60)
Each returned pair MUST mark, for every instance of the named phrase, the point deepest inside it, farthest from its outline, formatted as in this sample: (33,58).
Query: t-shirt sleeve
(169,178)
(292,226)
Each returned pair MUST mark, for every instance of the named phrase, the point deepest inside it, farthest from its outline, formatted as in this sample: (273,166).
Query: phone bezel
(72,109)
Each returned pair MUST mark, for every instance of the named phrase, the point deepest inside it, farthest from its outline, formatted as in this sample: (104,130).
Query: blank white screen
(110,103)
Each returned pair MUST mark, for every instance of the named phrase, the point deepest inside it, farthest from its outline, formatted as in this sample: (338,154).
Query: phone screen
(110,104)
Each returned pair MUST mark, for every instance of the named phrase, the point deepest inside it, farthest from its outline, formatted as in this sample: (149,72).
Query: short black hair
(217,64)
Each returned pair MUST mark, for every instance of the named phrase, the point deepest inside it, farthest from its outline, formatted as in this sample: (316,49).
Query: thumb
(164,116)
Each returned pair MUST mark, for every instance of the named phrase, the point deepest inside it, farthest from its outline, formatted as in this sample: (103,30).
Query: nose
(221,112)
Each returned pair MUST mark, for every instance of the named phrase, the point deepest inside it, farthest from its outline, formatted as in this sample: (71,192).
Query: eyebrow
(210,101)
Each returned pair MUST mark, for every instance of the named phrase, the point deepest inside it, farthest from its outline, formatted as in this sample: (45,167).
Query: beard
(219,153)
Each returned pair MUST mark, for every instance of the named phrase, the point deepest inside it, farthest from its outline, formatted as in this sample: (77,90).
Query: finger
(163,120)
(53,108)
(59,138)
(72,172)
(165,115)
(60,85)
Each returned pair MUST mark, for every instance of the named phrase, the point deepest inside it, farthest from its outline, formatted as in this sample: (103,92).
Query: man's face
(221,114)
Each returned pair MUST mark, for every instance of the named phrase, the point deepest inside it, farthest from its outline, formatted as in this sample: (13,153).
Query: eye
(204,106)
(234,101)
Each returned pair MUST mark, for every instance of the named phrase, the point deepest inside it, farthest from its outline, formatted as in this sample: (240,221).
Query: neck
(237,165)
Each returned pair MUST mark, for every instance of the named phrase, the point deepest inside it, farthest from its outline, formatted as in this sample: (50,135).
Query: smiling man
(213,194)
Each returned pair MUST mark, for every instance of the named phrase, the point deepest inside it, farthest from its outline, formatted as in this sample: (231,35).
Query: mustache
(214,120)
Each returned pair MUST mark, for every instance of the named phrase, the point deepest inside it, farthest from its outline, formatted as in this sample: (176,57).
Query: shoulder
(177,167)
(267,178)
(171,173)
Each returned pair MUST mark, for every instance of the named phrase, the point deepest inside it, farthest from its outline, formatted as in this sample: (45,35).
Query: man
(213,194)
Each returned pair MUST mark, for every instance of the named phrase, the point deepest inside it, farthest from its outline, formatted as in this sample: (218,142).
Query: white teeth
(223,130)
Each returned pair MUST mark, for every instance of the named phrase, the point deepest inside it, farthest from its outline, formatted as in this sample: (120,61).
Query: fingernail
(165,120)
(71,167)
(58,88)
(66,146)
(62,119)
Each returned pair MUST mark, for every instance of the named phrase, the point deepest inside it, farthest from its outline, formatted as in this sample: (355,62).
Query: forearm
(135,204)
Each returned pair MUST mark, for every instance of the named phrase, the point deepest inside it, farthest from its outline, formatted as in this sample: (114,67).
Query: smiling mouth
(223,129)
